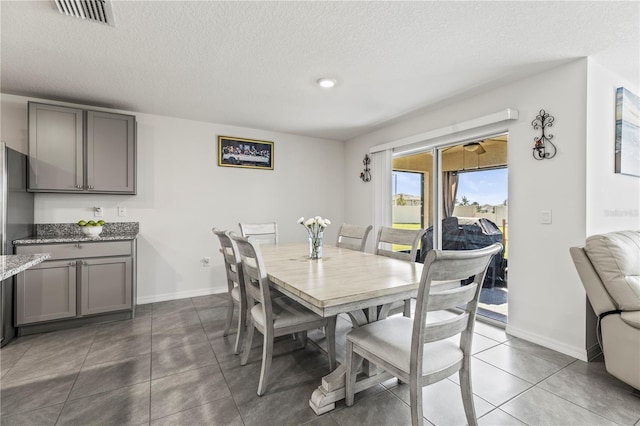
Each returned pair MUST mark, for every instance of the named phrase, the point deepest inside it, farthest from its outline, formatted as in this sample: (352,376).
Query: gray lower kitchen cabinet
(105,285)
(80,151)
(81,280)
(46,292)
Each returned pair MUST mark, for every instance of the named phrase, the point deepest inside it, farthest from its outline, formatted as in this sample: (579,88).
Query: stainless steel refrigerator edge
(16,221)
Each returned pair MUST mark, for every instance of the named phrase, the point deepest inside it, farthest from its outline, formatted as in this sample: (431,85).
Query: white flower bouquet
(315,226)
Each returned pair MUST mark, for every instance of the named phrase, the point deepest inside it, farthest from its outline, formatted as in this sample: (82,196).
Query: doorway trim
(421,140)
(475,129)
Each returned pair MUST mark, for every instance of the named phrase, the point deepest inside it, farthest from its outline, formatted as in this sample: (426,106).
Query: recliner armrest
(632,318)
(596,292)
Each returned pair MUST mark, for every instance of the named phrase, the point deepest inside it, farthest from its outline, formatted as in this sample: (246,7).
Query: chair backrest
(403,237)
(232,262)
(449,266)
(255,275)
(262,232)
(353,237)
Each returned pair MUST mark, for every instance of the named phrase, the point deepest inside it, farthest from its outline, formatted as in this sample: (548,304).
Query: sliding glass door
(412,199)
(465,205)
(474,211)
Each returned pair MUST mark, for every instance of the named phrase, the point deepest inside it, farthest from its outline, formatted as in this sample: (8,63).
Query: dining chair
(274,316)
(419,351)
(262,232)
(235,287)
(387,238)
(353,237)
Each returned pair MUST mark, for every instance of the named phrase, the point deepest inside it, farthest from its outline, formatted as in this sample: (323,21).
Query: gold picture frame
(245,153)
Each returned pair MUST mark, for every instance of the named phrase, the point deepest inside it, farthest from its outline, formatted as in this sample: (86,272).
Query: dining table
(359,284)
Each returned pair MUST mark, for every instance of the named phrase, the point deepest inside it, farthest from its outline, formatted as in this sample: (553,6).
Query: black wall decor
(543,148)
(365,175)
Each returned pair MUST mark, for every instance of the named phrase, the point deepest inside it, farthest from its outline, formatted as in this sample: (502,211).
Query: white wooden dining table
(343,281)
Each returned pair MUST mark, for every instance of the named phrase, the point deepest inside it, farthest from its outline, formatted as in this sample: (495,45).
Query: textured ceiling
(254,64)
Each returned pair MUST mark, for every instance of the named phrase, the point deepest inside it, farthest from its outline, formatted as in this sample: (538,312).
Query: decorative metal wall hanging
(543,147)
(365,175)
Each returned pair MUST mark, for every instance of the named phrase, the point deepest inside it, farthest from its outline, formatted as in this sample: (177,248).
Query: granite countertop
(16,263)
(54,233)
(74,239)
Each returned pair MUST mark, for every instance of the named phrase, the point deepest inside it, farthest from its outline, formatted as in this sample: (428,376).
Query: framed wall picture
(627,154)
(247,153)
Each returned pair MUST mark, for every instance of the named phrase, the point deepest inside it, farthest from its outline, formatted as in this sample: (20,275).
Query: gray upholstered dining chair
(419,351)
(262,232)
(235,287)
(274,316)
(387,238)
(353,237)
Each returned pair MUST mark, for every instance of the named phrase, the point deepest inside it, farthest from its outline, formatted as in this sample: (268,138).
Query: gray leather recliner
(609,267)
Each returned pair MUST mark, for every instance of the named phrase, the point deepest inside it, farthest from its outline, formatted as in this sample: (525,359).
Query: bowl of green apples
(90,228)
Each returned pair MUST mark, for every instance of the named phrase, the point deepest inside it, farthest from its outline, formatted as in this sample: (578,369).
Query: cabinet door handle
(78,246)
(90,186)
(84,263)
(79,186)
(72,263)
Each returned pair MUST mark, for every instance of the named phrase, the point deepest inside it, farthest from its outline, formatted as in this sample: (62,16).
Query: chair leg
(415,401)
(302,337)
(467,394)
(267,353)
(240,332)
(248,340)
(330,335)
(407,308)
(350,379)
(227,324)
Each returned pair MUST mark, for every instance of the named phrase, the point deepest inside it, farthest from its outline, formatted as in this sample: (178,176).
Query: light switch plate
(122,211)
(545,217)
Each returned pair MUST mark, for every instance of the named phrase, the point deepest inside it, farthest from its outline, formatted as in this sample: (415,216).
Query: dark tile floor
(171,365)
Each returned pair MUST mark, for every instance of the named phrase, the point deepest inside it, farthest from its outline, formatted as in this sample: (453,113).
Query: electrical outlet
(206,262)
(122,211)
(545,217)
(98,212)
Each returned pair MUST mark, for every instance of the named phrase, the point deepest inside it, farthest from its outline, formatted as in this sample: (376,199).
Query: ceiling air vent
(92,10)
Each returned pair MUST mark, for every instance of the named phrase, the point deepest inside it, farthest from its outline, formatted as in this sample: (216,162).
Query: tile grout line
(150,363)
(76,379)
(569,401)
(536,386)
(217,362)
(235,402)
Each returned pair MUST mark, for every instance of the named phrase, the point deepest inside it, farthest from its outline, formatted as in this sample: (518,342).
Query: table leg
(332,388)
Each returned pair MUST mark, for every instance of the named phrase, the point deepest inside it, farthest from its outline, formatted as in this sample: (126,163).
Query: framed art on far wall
(627,150)
(247,153)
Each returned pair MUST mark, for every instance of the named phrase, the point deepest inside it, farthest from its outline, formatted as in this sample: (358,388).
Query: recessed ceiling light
(327,83)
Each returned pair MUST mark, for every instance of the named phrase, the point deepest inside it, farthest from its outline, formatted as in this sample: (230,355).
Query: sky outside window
(482,186)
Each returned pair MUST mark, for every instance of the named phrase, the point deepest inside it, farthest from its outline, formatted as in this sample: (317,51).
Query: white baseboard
(178,295)
(576,352)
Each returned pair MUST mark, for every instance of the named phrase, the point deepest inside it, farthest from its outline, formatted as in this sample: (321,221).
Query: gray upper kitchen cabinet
(110,152)
(56,153)
(46,292)
(79,151)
